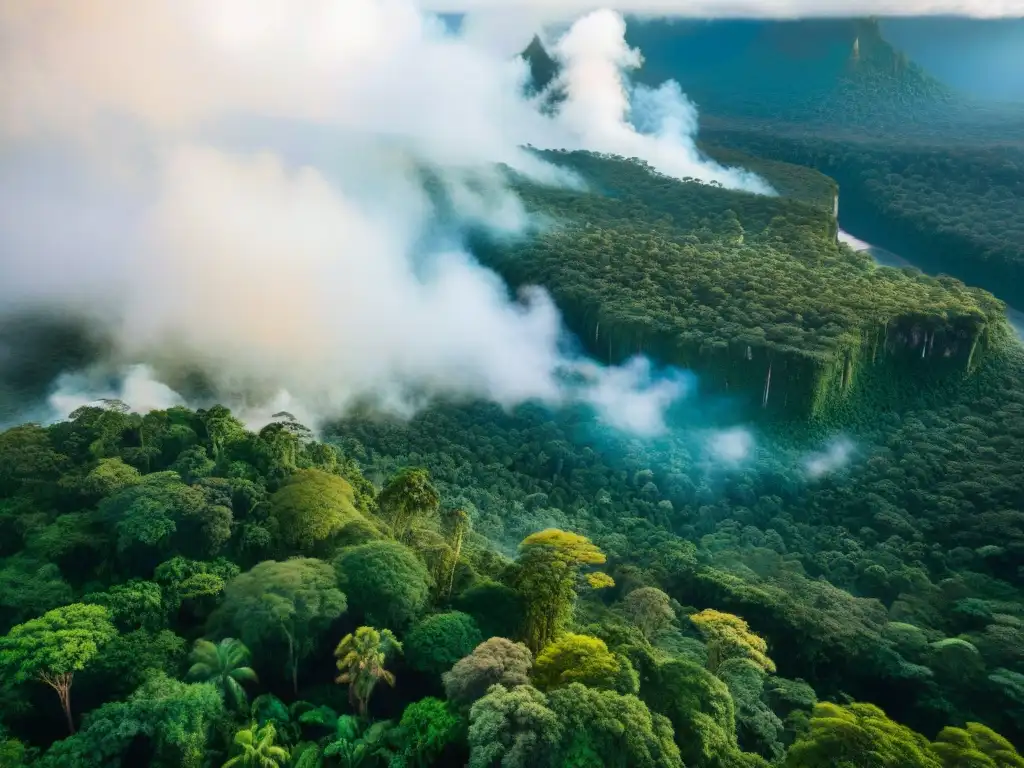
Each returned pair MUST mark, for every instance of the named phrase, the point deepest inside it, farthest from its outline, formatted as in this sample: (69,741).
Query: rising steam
(236,188)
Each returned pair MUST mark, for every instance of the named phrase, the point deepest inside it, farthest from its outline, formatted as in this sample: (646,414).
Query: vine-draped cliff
(754,293)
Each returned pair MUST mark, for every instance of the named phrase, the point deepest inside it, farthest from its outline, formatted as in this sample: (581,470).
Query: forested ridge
(952,206)
(753,292)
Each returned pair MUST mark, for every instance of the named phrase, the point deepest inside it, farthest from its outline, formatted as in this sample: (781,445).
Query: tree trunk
(293,663)
(62,685)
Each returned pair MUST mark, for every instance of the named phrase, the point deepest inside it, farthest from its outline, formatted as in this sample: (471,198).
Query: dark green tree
(166,724)
(426,728)
(387,584)
(290,603)
(513,728)
(408,499)
(436,643)
(615,731)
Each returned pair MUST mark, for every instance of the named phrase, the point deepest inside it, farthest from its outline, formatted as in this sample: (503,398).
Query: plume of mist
(657,125)
(632,397)
(236,187)
(835,457)
(138,389)
(730,446)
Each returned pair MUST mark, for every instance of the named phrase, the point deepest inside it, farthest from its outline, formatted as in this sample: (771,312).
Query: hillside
(952,208)
(751,292)
(830,72)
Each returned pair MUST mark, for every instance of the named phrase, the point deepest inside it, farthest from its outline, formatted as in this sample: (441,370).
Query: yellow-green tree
(548,575)
(582,659)
(311,507)
(361,659)
(859,734)
(729,637)
(53,647)
(975,747)
(256,748)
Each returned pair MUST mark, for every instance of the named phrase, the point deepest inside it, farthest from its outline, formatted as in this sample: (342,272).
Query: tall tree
(292,602)
(386,582)
(408,498)
(222,429)
(456,524)
(223,663)
(361,659)
(55,646)
(547,575)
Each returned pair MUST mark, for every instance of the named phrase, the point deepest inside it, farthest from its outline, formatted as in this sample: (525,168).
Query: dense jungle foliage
(952,208)
(753,292)
(528,588)
(174,586)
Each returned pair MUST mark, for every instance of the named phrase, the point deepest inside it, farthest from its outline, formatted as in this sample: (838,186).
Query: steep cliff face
(752,293)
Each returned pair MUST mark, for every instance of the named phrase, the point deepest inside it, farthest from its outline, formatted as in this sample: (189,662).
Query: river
(890,259)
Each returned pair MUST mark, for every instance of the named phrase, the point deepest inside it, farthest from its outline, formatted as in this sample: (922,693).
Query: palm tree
(258,748)
(223,663)
(361,660)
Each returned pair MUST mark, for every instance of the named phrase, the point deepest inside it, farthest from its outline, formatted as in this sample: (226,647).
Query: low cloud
(730,446)
(603,114)
(834,458)
(239,189)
